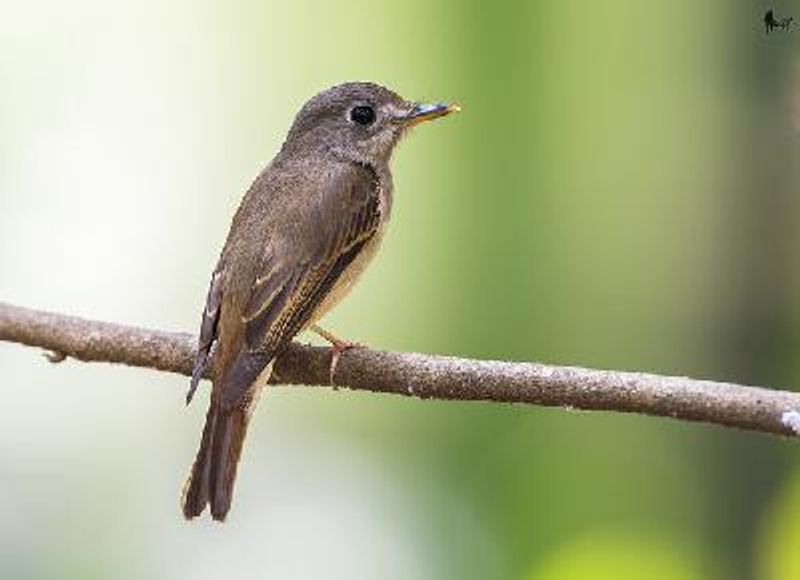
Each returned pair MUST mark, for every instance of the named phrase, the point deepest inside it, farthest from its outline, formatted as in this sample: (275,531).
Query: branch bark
(425,376)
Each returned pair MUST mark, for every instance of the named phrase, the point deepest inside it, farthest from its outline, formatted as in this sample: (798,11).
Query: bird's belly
(348,278)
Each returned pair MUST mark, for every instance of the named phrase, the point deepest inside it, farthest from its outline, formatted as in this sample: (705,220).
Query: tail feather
(195,490)
(214,471)
(226,450)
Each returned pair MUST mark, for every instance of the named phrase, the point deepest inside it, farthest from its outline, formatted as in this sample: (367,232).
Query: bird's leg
(338,346)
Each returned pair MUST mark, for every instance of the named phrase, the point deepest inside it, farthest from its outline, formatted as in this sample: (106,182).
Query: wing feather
(287,290)
(208,332)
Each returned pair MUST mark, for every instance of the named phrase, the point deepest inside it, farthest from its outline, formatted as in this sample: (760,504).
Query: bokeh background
(621,191)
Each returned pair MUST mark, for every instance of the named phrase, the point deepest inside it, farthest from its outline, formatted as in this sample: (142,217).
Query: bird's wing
(208,332)
(290,285)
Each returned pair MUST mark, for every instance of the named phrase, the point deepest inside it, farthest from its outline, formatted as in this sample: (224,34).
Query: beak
(423,112)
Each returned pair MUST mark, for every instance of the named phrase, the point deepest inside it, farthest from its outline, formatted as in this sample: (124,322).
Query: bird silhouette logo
(771,23)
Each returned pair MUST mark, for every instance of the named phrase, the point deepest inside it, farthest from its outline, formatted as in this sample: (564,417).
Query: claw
(338,346)
(336,352)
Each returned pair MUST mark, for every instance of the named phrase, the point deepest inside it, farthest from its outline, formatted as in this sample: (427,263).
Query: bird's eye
(363,115)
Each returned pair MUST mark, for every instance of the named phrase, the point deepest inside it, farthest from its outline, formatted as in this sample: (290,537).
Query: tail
(214,470)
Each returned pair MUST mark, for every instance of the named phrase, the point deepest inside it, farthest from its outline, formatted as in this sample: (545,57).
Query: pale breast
(353,271)
(349,277)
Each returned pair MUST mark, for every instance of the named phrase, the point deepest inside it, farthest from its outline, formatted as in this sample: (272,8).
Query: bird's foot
(338,346)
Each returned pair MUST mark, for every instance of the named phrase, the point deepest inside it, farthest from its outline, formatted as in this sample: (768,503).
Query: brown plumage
(302,235)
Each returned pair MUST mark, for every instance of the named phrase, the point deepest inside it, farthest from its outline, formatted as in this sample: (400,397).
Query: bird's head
(358,121)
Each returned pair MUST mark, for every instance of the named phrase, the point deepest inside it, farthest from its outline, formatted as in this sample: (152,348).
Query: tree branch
(426,376)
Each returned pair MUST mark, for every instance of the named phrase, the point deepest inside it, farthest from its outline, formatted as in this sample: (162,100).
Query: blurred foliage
(779,558)
(612,556)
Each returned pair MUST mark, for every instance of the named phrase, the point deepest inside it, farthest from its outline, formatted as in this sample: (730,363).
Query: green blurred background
(621,191)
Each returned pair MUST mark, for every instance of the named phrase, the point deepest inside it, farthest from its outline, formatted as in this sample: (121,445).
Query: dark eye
(363,115)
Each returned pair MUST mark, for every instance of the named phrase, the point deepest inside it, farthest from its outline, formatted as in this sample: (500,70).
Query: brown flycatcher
(303,234)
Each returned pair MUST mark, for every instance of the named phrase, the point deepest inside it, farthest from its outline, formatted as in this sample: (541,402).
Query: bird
(303,234)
